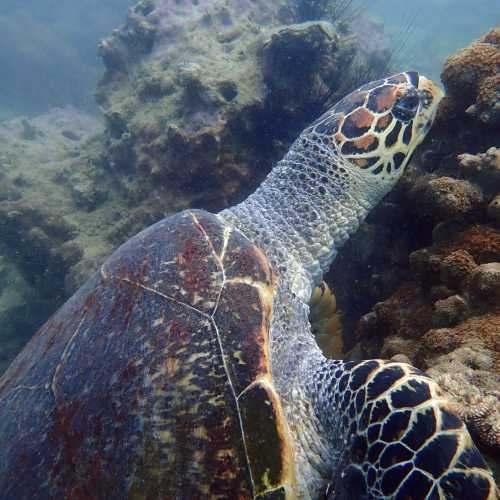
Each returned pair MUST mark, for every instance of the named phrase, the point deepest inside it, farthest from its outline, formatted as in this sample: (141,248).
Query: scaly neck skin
(300,216)
(305,210)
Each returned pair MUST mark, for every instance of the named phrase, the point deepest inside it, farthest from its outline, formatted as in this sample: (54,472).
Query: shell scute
(264,440)
(191,273)
(130,385)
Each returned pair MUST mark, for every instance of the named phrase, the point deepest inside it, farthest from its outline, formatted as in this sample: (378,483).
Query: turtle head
(337,170)
(376,128)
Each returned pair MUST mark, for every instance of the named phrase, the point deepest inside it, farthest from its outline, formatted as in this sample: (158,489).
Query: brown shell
(153,381)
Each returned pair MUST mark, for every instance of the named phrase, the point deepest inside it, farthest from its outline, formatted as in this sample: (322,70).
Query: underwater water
(48,54)
(116,114)
(424,34)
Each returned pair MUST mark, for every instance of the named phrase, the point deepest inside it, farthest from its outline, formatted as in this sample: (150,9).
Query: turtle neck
(305,210)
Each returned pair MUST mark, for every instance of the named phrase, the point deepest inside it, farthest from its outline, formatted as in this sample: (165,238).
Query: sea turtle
(186,367)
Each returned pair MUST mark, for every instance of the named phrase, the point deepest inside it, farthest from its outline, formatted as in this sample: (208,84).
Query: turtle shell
(153,380)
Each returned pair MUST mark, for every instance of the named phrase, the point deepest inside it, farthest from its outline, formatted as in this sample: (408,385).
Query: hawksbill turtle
(186,367)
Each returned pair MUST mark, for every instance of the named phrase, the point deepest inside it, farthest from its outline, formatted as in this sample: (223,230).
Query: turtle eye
(406,107)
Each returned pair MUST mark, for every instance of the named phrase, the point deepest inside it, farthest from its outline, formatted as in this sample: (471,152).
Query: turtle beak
(430,96)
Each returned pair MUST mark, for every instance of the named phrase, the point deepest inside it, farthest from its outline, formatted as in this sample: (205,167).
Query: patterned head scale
(377,127)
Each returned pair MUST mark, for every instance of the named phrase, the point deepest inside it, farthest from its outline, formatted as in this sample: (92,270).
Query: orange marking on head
(355,97)
(399,78)
(364,142)
(361,162)
(383,122)
(361,118)
(339,137)
(386,98)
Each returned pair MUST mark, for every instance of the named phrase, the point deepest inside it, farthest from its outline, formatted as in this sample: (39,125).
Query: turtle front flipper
(326,321)
(398,437)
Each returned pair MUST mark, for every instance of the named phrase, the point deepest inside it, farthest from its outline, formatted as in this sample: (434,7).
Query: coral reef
(421,280)
(472,80)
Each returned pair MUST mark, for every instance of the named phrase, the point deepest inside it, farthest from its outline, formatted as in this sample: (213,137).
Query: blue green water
(438,28)
(48,52)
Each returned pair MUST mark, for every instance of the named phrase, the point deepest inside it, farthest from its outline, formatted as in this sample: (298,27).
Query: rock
(7,191)
(29,131)
(485,283)
(466,377)
(88,196)
(450,311)
(446,197)
(72,136)
(233,83)
(194,116)
(300,59)
(456,269)
(154,87)
(494,209)
(3,273)
(34,240)
(401,358)
(228,89)
(79,273)
(189,75)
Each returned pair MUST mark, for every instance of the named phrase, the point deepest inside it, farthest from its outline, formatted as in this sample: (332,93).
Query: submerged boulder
(202,112)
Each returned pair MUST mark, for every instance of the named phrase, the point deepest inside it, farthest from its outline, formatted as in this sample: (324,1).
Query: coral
(471,78)
(446,197)
(450,311)
(420,281)
(483,168)
(465,375)
(456,269)
(465,361)
(405,315)
(479,240)
(494,209)
(481,330)
(485,283)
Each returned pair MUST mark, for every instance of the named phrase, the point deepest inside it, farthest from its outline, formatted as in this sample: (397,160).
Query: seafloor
(198,104)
